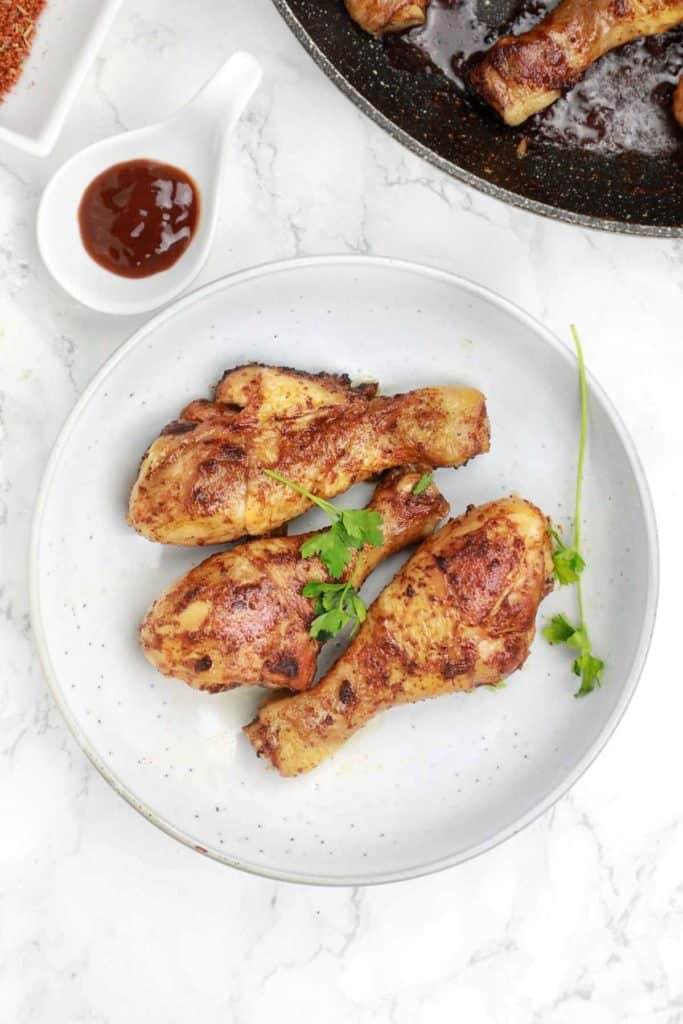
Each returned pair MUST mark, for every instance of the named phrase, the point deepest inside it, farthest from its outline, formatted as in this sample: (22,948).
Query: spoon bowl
(193,139)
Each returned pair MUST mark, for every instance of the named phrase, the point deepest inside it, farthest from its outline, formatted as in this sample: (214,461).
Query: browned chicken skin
(379,16)
(678,102)
(239,618)
(202,481)
(461,613)
(521,75)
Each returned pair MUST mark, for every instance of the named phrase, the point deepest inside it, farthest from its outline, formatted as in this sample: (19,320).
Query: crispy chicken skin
(678,102)
(521,75)
(379,16)
(239,618)
(461,613)
(203,482)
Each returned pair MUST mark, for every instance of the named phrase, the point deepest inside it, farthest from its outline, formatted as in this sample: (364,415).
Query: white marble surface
(578,920)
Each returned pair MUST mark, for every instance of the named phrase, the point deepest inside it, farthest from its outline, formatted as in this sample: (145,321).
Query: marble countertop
(103,919)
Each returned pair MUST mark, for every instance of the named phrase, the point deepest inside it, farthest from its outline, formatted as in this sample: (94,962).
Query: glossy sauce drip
(621,104)
(138,218)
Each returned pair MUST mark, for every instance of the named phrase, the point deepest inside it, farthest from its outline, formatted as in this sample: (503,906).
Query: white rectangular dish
(69,34)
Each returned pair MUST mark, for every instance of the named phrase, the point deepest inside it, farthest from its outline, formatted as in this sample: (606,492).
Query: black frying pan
(624,190)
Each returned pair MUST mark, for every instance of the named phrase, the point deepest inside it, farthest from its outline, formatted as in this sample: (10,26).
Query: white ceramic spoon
(195,140)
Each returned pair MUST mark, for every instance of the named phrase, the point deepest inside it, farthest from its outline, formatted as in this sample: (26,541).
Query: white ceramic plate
(423,787)
(70,32)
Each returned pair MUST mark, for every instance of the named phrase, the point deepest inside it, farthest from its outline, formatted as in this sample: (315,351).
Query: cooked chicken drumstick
(521,75)
(379,16)
(461,613)
(239,618)
(202,481)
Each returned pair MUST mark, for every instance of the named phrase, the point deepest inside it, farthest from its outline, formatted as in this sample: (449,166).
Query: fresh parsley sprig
(335,606)
(423,483)
(567,561)
(587,666)
(351,528)
(569,564)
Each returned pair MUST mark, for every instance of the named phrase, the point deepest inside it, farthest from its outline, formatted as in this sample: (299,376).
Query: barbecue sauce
(138,218)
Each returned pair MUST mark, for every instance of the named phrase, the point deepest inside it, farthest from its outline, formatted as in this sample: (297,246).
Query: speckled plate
(637,189)
(423,787)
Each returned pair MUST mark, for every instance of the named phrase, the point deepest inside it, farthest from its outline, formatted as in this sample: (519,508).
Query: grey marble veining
(577,920)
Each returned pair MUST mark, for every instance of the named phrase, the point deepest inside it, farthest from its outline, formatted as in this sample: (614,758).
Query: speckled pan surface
(632,192)
(424,786)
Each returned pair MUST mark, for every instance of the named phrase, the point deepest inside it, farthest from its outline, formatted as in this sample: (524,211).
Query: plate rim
(453,170)
(224,283)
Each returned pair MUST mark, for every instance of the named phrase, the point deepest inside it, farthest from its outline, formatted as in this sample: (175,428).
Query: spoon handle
(222,100)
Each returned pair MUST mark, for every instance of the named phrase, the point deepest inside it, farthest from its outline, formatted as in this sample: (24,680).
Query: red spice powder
(17,29)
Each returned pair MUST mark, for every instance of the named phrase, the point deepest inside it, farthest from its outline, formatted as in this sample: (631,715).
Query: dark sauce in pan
(139,217)
(621,104)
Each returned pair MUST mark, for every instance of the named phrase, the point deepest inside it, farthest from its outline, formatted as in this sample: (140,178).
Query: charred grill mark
(346,693)
(285,665)
(465,660)
(226,453)
(232,452)
(540,62)
(216,475)
(176,427)
(245,595)
(284,557)
(479,567)
(186,598)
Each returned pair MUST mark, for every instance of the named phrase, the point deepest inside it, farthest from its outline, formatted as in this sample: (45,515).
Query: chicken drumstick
(461,613)
(203,481)
(240,619)
(379,16)
(523,74)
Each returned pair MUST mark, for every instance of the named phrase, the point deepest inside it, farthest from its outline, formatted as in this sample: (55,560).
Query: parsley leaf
(569,564)
(362,526)
(423,483)
(331,548)
(590,670)
(588,667)
(335,606)
(351,528)
(558,630)
(328,624)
